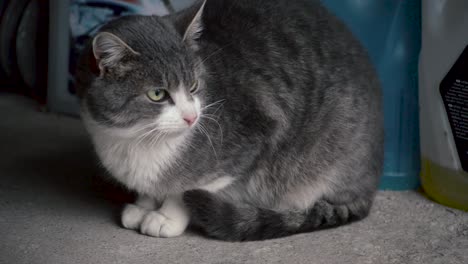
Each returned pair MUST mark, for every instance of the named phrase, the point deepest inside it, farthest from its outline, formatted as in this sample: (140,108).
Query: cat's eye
(157,95)
(194,87)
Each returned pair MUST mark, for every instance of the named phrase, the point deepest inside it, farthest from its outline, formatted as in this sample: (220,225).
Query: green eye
(157,95)
(194,87)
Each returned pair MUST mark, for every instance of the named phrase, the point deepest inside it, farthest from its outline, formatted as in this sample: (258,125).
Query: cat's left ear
(195,28)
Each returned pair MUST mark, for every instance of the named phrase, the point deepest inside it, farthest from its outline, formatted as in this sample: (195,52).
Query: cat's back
(243,19)
(301,32)
(257,14)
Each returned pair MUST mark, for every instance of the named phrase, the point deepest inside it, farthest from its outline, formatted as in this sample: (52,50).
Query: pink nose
(190,119)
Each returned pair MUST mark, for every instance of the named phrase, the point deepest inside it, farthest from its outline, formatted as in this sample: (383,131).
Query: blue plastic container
(391,31)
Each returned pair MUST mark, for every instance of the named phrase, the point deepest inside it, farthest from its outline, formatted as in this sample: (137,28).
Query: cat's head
(149,76)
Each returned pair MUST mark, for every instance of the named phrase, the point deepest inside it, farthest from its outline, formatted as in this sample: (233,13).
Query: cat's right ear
(108,50)
(189,23)
(195,28)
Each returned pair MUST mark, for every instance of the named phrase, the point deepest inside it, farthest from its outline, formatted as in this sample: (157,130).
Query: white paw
(132,216)
(158,225)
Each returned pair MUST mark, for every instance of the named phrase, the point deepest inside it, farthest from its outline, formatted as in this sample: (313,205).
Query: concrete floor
(51,213)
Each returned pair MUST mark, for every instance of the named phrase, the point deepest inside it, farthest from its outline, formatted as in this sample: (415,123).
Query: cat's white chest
(136,165)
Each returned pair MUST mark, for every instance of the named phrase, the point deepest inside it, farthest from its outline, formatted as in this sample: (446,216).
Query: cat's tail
(223,220)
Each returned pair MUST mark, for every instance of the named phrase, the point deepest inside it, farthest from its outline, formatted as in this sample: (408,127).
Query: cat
(248,120)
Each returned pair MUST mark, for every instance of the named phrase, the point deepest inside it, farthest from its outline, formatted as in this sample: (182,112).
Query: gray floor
(50,213)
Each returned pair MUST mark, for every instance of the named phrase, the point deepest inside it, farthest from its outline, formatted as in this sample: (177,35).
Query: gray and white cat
(247,119)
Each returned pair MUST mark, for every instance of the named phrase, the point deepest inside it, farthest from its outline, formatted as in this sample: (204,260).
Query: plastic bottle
(443,85)
(391,32)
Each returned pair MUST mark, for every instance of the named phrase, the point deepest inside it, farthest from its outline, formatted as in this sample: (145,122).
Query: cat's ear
(108,50)
(195,28)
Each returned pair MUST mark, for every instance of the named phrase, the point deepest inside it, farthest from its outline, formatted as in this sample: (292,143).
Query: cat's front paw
(157,225)
(132,216)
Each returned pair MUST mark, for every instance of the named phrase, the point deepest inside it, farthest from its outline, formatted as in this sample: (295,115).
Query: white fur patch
(132,162)
(172,116)
(169,221)
(146,202)
(132,216)
(171,119)
(217,184)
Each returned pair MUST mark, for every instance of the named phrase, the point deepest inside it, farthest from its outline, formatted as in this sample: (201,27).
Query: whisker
(145,127)
(217,123)
(213,53)
(222,101)
(145,135)
(204,131)
(157,138)
(217,109)
(211,115)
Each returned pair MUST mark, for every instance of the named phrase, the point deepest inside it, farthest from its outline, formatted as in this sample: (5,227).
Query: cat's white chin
(182,131)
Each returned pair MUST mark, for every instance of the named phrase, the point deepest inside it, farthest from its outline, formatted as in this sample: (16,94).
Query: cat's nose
(190,119)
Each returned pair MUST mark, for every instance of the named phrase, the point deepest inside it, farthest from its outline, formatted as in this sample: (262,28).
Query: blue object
(391,32)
